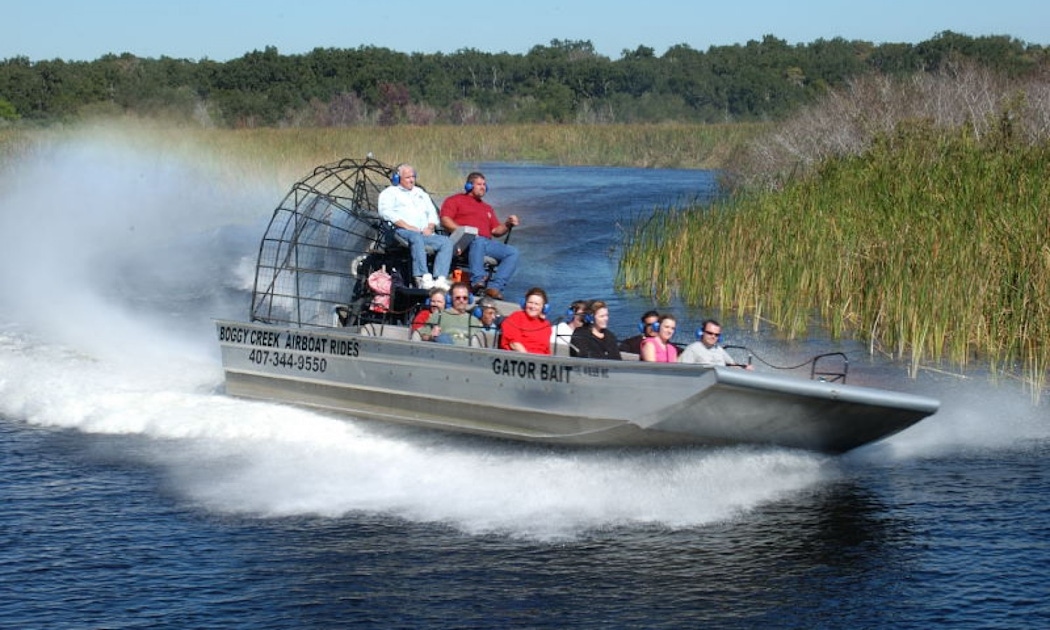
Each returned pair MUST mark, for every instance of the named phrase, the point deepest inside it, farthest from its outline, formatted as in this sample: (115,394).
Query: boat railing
(821,368)
(828,375)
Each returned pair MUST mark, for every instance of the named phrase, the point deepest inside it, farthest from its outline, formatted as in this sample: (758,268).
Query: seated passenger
(561,335)
(707,351)
(659,348)
(646,328)
(468,209)
(454,325)
(435,304)
(414,216)
(487,312)
(528,330)
(594,340)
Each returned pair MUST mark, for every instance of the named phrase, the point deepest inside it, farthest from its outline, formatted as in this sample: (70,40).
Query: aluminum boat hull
(552,399)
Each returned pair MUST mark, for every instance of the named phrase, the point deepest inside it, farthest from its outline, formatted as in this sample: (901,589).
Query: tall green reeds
(933,244)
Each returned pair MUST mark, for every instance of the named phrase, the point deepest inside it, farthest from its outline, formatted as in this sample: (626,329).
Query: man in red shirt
(469,209)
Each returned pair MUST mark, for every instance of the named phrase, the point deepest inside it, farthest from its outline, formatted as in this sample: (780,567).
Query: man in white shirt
(561,335)
(706,351)
(415,219)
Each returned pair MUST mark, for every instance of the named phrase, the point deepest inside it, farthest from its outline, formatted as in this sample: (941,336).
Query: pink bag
(380,282)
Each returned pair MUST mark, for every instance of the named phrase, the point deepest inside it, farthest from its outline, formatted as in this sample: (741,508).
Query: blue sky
(225,29)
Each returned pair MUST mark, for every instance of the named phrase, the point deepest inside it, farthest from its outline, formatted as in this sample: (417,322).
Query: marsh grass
(279,157)
(934,245)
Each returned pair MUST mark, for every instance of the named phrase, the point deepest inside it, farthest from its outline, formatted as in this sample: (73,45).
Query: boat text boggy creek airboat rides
(320,335)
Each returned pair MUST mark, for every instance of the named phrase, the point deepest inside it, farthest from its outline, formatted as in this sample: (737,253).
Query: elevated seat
(390,242)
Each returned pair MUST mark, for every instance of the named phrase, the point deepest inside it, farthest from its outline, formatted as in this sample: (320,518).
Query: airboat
(320,335)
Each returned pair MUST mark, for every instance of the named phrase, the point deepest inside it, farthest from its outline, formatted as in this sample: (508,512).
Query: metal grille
(318,236)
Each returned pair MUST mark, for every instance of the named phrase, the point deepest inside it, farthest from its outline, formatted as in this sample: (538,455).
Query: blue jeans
(417,244)
(505,255)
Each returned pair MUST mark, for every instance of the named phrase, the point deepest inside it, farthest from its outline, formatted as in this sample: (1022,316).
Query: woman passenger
(435,304)
(659,349)
(528,330)
(594,340)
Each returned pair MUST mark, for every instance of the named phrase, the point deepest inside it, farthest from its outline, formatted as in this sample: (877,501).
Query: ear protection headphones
(655,326)
(700,333)
(546,307)
(479,311)
(588,318)
(427,303)
(469,186)
(395,179)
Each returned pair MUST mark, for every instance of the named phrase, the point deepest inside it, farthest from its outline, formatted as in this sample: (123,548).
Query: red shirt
(421,318)
(466,209)
(534,334)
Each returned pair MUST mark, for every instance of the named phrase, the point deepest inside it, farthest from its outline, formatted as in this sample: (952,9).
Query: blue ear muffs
(469,186)
(546,307)
(656,327)
(395,179)
(700,335)
(588,318)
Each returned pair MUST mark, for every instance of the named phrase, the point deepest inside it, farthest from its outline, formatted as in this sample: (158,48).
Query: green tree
(7,110)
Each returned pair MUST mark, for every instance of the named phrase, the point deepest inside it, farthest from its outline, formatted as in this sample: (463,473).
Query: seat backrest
(386,330)
(560,346)
(485,339)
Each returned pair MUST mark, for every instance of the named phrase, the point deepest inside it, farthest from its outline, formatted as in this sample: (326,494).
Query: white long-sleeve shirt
(414,207)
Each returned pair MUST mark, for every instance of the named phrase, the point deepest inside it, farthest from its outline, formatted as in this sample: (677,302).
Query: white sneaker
(442,283)
(428,282)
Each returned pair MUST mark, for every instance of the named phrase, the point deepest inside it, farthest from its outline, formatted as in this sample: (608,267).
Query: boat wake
(105,329)
(226,455)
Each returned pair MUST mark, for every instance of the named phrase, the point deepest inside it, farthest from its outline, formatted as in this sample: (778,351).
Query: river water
(136,494)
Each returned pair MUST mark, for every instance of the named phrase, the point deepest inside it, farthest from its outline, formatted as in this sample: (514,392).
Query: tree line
(566,81)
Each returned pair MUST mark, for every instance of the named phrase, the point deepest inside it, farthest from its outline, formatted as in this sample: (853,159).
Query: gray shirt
(697,352)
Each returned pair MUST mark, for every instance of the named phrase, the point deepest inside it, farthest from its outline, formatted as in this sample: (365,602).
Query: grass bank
(933,244)
(282,156)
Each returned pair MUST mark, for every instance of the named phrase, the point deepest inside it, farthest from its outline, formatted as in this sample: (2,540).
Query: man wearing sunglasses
(707,351)
(455,324)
